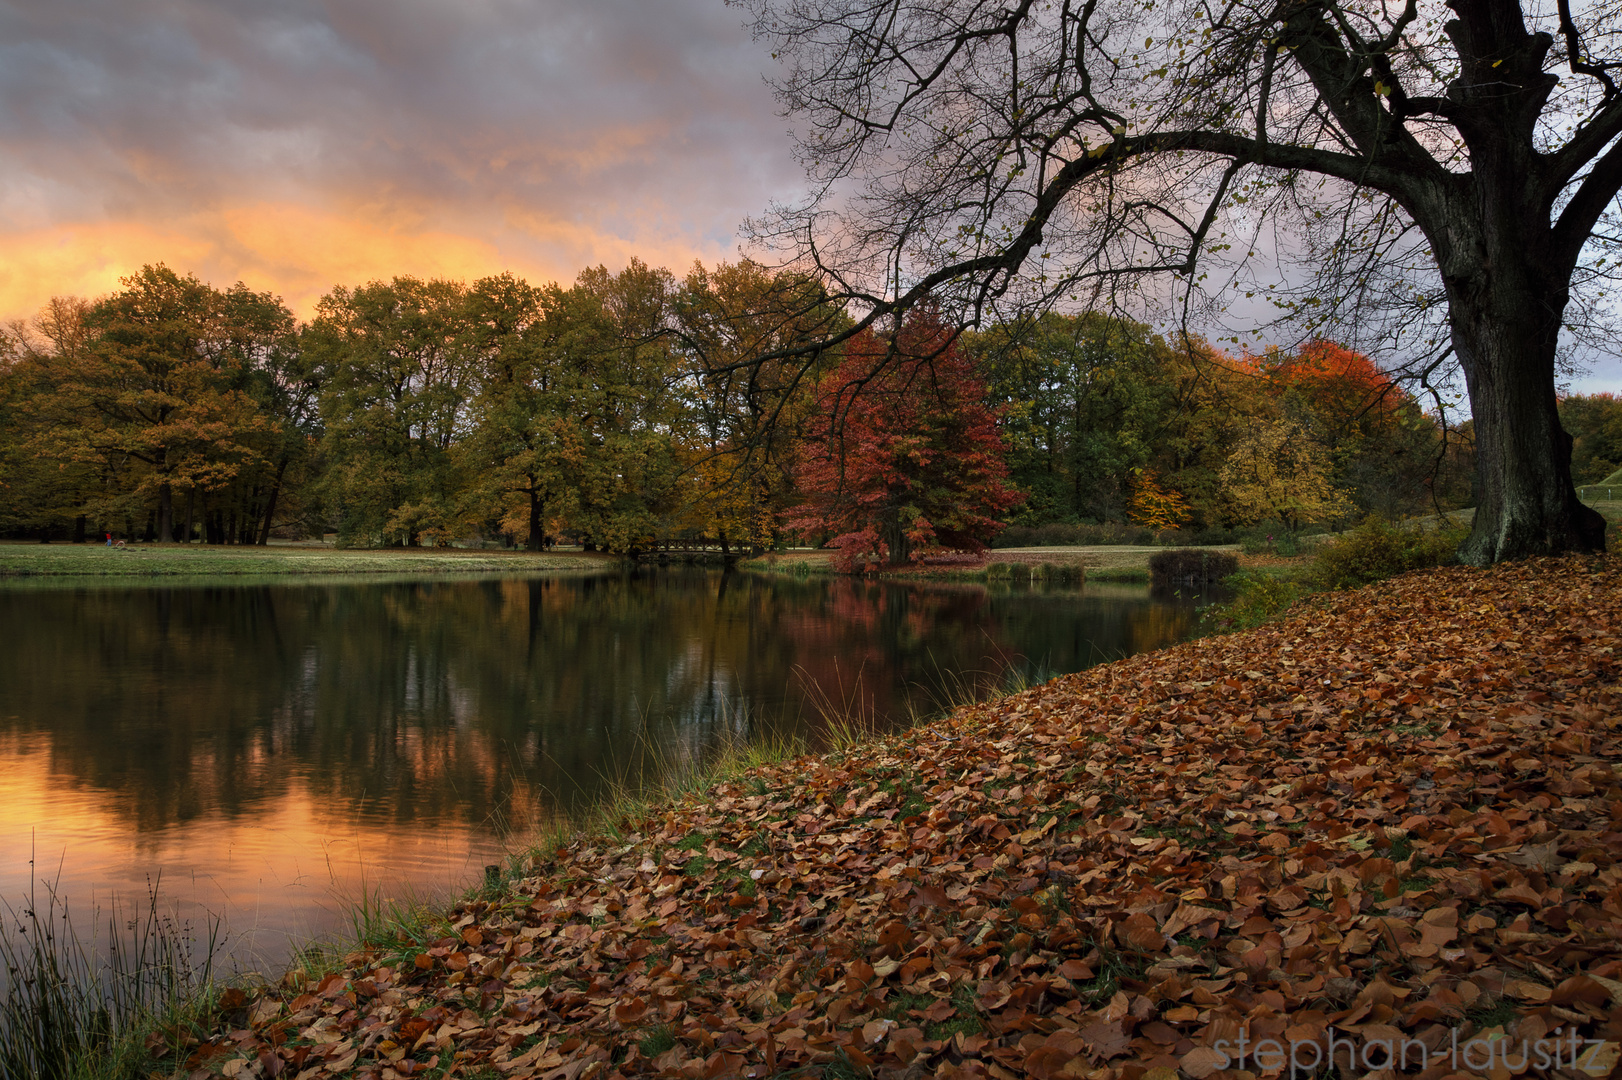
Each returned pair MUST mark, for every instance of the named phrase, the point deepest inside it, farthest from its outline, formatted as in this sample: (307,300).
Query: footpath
(1381,835)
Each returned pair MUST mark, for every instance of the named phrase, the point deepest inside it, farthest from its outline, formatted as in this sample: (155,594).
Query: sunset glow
(321,145)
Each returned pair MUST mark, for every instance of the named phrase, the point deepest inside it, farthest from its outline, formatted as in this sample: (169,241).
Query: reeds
(77,1008)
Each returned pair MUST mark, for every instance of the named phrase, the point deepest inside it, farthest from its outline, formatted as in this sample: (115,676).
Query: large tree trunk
(1505,330)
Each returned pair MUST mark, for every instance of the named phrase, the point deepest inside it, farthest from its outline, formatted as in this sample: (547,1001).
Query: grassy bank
(1393,818)
(92,560)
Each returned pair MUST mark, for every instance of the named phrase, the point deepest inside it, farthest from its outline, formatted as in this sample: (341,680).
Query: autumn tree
(1442,174)
(743,419)
(41,490)
(1154,506)
(903,455)
(151,395)
(1280,471)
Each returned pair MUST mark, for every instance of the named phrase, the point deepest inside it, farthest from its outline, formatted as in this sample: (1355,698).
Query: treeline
(409,412)
(632,407)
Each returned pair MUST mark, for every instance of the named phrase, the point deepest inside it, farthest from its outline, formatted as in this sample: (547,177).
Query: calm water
(274,751)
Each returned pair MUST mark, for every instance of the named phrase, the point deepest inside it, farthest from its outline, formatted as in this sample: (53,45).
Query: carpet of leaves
(1395,816)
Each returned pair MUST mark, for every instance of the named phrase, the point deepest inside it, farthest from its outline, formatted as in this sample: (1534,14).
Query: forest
(636,407)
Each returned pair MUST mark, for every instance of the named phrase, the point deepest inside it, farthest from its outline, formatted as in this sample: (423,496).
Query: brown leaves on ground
(1392,821)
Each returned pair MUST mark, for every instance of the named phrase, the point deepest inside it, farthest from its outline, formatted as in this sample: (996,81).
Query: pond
(272,752)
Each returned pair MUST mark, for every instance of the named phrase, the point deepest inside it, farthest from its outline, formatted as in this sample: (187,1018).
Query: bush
(1212,535)
(1060,534)
(1190,567)
(1377,549)
(1258,598)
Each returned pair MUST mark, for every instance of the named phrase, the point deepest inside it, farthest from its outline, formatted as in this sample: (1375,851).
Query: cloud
(303,144)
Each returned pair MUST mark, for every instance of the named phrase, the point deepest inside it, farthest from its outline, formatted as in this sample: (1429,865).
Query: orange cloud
(300,253)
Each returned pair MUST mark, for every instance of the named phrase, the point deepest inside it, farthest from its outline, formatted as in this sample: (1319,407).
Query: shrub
(1062,534)
(1190,567)
(1212,535)
(1377,549)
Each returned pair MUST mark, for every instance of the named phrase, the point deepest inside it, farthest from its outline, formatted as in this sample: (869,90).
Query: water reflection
(275,748)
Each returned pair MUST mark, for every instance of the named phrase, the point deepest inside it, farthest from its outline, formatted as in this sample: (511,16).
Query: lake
(272,751)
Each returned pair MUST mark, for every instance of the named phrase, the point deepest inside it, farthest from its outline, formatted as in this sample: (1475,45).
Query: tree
(903,455)
(619,345)
(743,419)
(1452,172)
(1085,401)
(1280,471)
(524,448)
(393,363)
(147,390)
(1595,423)
(1154,506)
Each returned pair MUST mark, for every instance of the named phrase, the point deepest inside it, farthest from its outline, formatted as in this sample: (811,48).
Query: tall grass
(78,1007)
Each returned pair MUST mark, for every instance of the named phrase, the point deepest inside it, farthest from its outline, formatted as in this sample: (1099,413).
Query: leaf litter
(1390,821)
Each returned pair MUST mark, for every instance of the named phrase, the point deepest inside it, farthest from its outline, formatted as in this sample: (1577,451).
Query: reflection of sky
(280,876)
(304,144)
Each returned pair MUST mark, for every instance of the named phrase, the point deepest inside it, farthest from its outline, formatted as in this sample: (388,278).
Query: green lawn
(142,560)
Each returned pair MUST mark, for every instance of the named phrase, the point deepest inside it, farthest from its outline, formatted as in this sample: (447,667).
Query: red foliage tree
(903,456)
(1346,391)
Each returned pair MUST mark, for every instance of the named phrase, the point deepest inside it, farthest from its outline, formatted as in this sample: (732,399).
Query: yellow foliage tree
(1279,471)
(1156,507)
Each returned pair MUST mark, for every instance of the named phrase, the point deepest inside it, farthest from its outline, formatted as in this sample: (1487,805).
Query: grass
(628,801)
(142,560)
(77,1008)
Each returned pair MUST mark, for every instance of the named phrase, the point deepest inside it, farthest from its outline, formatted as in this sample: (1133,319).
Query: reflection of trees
(477,701)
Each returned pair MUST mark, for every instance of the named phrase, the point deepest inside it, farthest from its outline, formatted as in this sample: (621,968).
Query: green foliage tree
(744,419)
(1595,423)
(393,360)
(525,449)
(1085,398)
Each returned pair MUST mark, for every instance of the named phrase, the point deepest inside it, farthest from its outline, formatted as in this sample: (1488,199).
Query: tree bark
(1526,503)
(191,514)
(537,536)
(166,514)
(270,503)
(1507,294)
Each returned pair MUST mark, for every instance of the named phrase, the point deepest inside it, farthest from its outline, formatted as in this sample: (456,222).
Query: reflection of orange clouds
(280,875)
(300,252)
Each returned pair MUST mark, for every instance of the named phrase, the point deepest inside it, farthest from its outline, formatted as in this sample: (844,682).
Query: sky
(296,145)
(300,144)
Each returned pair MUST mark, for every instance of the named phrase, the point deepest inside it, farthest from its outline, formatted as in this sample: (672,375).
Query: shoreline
(19,561)
(1391,815)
